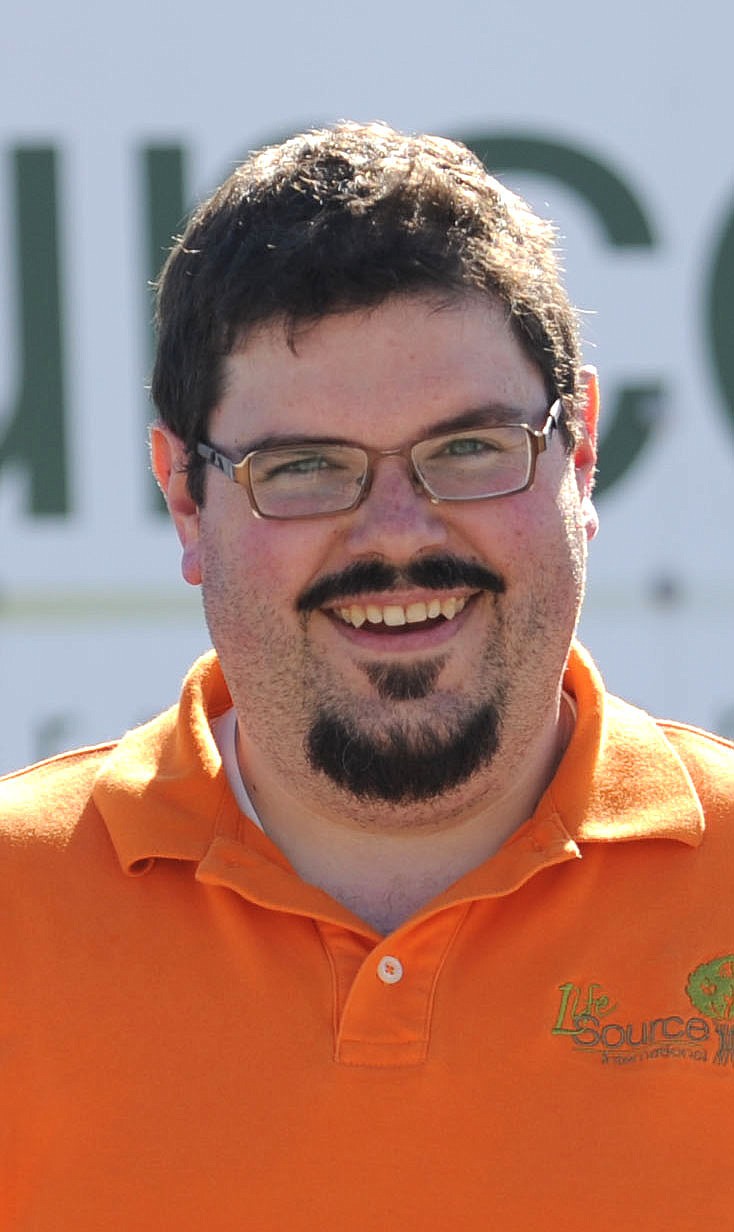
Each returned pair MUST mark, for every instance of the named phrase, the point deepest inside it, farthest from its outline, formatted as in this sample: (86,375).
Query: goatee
(402,766)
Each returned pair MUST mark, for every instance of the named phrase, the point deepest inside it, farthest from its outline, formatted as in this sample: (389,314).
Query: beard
(402,760)
(402,765)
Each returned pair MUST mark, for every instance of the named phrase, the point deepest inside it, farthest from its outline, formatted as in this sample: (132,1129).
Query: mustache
(429,573)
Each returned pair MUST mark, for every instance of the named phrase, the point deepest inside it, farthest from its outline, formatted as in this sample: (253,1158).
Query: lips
(395,615)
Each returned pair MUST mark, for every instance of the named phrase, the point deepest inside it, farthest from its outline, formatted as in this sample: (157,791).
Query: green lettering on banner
(721,315)
(614,204)
(163,177)
(637,412)
(163,171)
(634,413)
(35,435)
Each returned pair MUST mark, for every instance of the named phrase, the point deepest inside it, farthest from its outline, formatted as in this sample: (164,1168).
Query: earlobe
(168,459)
(589,517)
(585,452)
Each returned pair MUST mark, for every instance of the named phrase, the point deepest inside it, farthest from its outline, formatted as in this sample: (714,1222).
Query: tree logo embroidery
(710,989)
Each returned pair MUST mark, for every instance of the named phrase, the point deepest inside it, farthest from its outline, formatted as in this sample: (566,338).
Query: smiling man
(385,618)
(396,905)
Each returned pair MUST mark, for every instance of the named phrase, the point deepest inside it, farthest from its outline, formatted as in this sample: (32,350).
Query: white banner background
(96,628)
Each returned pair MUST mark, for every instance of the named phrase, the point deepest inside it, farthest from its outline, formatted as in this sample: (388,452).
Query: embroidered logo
(710,989)
(590,1018)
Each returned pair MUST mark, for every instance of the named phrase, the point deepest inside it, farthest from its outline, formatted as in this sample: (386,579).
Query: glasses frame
(239,472)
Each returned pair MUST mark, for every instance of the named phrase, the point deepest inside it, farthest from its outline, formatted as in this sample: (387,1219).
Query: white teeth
(415,612)
(394,614)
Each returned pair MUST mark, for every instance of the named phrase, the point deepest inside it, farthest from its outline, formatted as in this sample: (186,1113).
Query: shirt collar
(163,793)
(620,778)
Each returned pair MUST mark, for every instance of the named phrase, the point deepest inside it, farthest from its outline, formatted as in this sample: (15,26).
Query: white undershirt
(224,731)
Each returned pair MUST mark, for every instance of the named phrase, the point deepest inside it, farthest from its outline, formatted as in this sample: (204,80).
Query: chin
(402,763)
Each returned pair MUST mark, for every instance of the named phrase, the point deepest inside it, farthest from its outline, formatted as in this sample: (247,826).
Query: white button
(389,969)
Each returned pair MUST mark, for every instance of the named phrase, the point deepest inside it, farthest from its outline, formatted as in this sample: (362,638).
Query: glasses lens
(301,481)
(468,465)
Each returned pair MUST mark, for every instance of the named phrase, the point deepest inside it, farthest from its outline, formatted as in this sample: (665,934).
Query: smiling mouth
(397,615)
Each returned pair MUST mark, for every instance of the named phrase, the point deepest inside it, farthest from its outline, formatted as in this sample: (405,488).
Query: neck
(385,862)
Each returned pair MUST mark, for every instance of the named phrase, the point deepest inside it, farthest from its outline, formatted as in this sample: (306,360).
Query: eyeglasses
(317,479)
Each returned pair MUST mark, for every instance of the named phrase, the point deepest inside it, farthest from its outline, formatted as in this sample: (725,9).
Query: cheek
(281,560)
(505,534)
(534,535)
(258,565)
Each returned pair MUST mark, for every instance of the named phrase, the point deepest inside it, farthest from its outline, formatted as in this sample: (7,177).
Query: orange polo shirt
(192,1038)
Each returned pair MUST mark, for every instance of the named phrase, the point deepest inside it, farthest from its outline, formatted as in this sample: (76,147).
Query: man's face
(331,690)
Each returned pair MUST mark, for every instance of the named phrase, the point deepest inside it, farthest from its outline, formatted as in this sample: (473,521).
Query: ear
(168,459)
(584,456)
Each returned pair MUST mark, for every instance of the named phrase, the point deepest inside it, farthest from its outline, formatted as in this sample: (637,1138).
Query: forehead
(380,376)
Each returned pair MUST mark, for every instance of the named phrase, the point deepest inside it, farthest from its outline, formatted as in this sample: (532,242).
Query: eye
(295,467)
(468,446)
(304,465)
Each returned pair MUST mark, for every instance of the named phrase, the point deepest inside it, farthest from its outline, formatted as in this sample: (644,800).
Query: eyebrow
(492,415)
(476,417)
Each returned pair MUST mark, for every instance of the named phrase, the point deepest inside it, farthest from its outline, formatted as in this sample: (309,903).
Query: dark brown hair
(341,219)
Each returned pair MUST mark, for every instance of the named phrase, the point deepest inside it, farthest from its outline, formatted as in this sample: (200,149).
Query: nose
(397,519)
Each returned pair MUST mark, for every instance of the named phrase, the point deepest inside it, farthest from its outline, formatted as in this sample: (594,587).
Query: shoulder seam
(60,758)
(709,737)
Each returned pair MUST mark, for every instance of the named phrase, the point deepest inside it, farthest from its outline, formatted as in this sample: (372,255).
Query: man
(396,920)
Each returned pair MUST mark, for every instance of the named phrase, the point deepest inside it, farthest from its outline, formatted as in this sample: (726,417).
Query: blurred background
(114,120)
